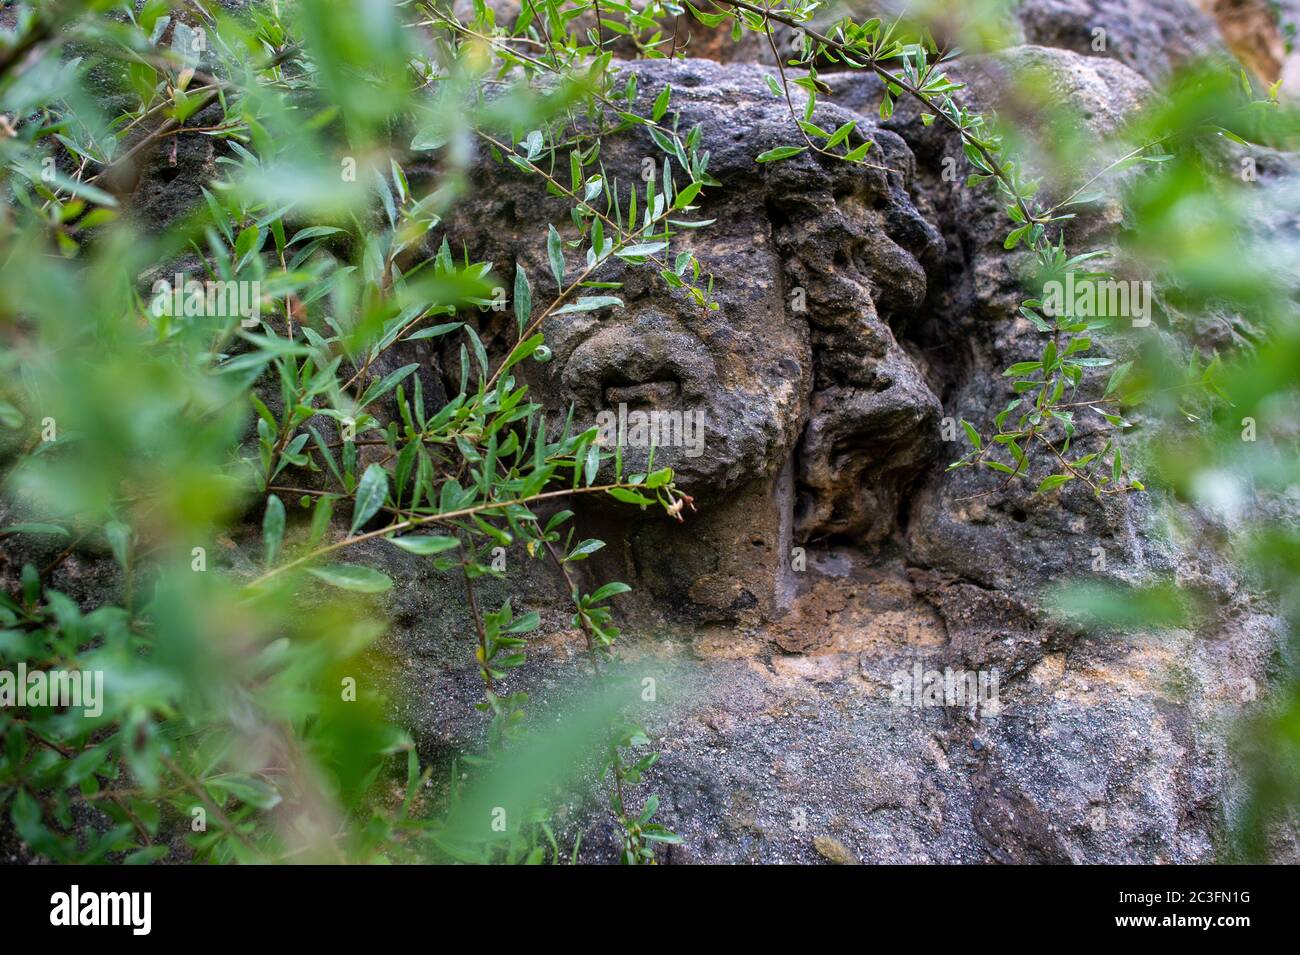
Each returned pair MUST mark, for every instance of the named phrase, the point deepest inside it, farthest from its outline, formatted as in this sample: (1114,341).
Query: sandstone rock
(834,851)
(1254,30)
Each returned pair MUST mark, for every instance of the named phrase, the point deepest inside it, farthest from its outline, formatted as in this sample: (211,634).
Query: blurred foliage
(242,705)
(1211,388)
(225,461)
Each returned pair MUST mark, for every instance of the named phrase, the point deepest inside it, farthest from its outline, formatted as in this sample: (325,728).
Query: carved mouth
(663,393)
(665,371)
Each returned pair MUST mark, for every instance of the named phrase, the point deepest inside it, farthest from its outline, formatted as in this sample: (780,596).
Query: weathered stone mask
(811,257)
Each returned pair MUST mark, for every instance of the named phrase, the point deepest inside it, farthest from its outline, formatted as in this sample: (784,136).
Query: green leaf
(354,577)
(588,304)
(534,143)
(371,494)
(529,621)
(648,810)
(641,249)
(53,529)
(248,789)
(119,540)
(528,346)
(585,549)
(320,518)
(247,241)
(387,383)
(661,103)
(628,497)
(1054,480)
(858,153)
(272,529)
(424,545)
(314,232)
(10,416)
(84,190)
(84,766)
(659,478)
(842,133)
(26,815)
(1113,607)
(664,143)
(555,252)
(148,855)
(1117,377)
(1022,368)
(687,195)
(523,302)
(433,331)
(780,152)
(1037,320)
(612,589)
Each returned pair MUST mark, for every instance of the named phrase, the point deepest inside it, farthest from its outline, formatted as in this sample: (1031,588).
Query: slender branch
(785,88)
(872,64)
(431,519)
(478,619)
(1122,159)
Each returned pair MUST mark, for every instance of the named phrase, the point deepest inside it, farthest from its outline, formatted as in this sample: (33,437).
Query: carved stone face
(739,375)
(797,372)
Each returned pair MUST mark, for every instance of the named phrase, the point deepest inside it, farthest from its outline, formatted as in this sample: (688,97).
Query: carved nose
(908,228)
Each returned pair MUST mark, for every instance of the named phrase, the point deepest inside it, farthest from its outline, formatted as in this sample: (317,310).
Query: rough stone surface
(781,737)
(1154,37)
(786,744)
(813,262)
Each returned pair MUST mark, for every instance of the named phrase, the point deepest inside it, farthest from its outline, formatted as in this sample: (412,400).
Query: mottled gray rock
(1154,37)
(1105,747)
(968,523)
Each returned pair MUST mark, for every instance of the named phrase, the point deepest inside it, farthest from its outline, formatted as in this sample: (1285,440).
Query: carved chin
(714,443)
(859,452)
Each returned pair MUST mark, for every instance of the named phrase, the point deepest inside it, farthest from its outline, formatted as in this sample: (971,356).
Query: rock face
(813,261)
(1257,33)
(964,522)
(791,742)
